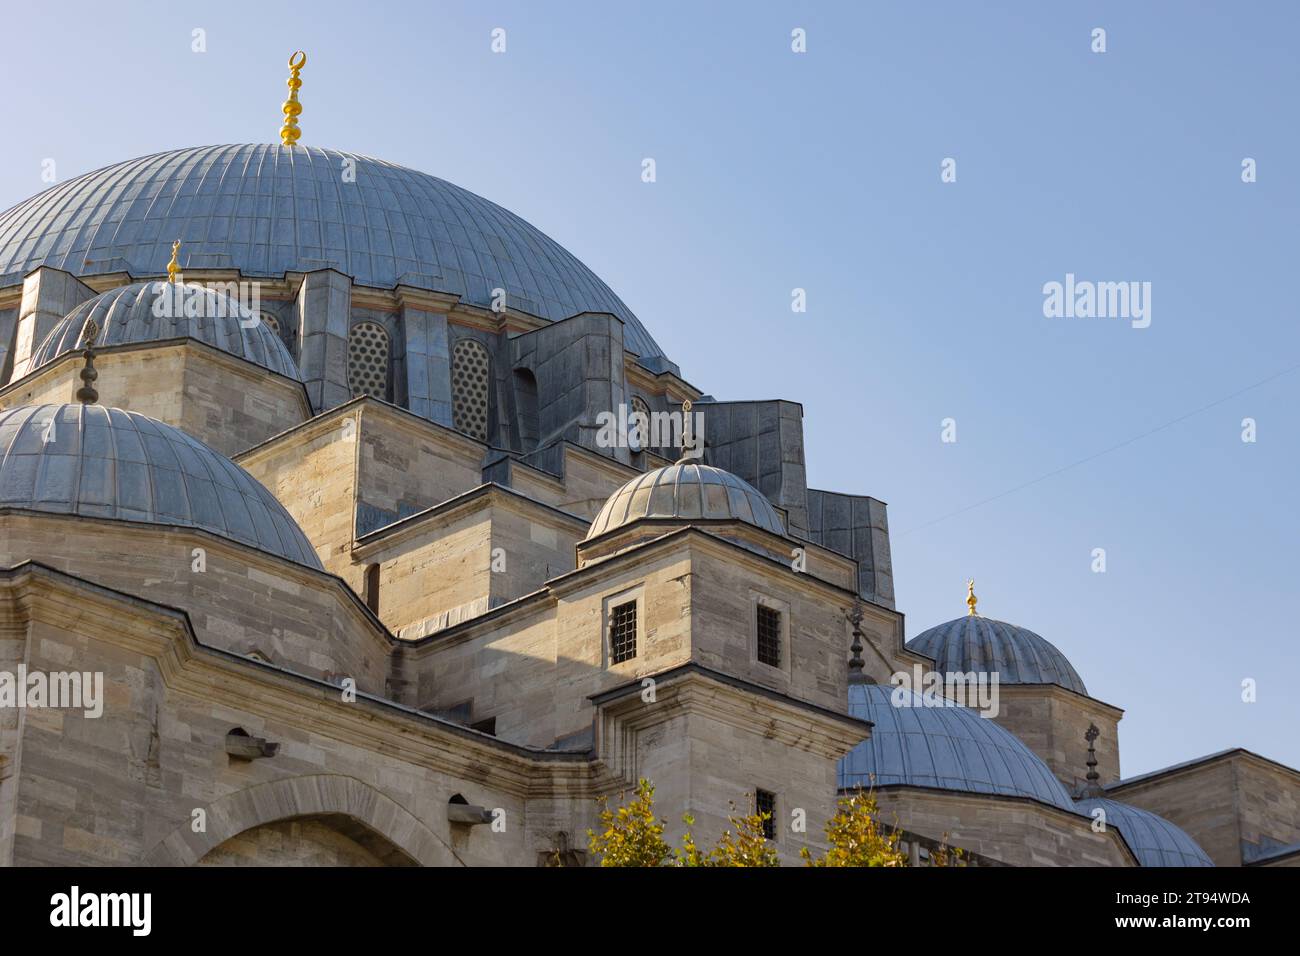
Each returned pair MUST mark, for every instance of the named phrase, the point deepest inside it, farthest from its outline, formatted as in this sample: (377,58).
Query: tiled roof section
(925,744)
(128,315)
(108,463)
(1153,839)
(687,491)
(268,209)
(981,644)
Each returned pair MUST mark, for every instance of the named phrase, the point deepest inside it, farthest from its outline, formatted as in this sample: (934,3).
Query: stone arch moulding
(309,796)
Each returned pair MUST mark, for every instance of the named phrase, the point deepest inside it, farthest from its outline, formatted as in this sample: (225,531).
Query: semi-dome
(129,315)
(925,743)
(687,491)
(1153,839)
(981,644)
(268,209)
(108,463)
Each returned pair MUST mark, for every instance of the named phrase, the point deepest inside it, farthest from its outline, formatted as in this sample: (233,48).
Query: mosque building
(306,459)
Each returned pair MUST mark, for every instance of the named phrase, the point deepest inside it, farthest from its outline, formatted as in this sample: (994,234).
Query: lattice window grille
(471,369)
(368,360)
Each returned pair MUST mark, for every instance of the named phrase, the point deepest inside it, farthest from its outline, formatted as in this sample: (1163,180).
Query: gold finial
(290,132)
(174,267)
(970,596)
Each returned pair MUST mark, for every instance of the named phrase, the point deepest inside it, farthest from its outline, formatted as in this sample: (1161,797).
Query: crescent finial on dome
(174,267)
(292,109)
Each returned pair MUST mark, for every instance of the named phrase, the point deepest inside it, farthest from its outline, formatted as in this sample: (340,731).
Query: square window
(622,633)
(765,803)
(769,636)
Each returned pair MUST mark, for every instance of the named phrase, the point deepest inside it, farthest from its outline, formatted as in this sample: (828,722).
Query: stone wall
(583,479)
(123,788)
(1013,830)
(534,669)
(406,465)
(221,400)
(1052,721)
(1229,803)
(242,601)
(313,472)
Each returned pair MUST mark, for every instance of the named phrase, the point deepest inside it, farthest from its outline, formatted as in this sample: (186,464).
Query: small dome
(941,747)
(108,463)
(687,491)
(126,315)
(1153,839)
(1016,654)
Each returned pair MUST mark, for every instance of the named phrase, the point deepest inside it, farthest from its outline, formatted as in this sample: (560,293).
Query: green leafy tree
(747,847)
(856,836)
(632,835)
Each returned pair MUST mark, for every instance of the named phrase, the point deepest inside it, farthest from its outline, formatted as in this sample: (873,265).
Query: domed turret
(981,644)
(100,462)
(158,311)
(687,491)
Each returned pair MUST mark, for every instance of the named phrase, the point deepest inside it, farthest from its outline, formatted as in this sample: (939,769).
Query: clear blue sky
(821,171)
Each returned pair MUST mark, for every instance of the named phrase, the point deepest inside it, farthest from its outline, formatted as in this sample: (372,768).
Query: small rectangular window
(765,803)
(622,633)
(769,636)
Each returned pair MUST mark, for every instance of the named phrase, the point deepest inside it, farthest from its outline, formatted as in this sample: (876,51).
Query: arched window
(470,377)
(526,408)
(372,588)
(368,360)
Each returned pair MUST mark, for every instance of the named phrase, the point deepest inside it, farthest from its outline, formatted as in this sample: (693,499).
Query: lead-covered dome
(925,742)
(981,644)
(1153,839)
(687,491)
(268,209)
(108,463)
(130,314)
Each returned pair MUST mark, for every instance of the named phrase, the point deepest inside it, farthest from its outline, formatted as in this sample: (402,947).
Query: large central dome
(268,209)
